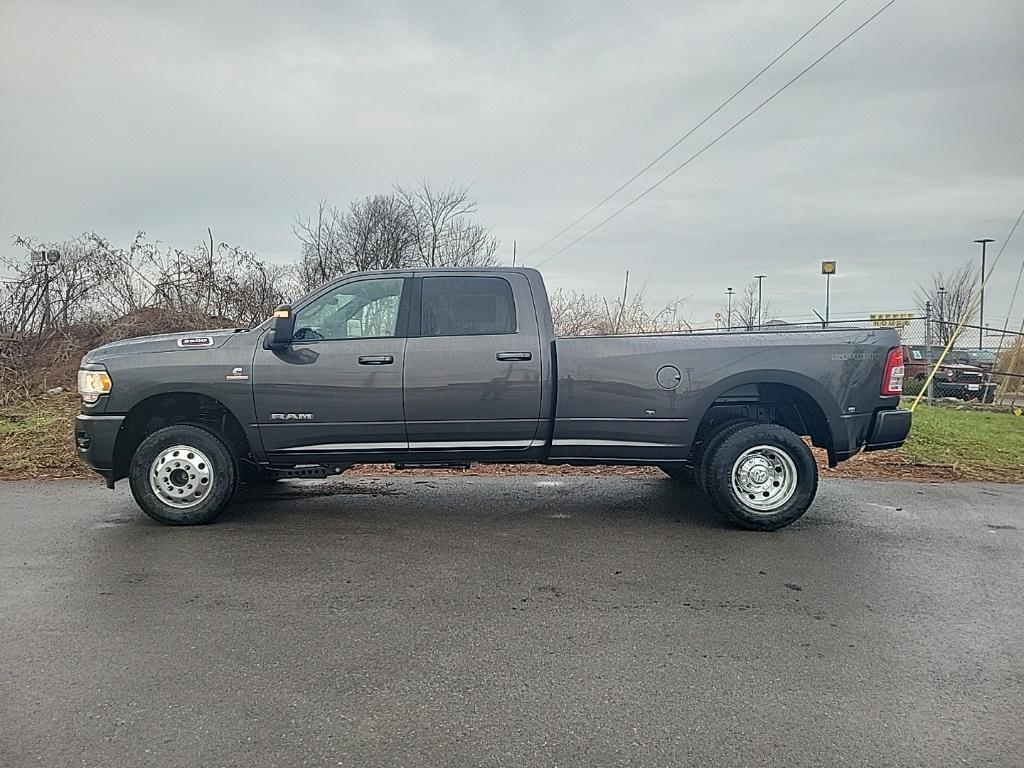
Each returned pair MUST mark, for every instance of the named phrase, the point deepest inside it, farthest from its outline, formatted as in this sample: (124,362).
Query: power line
(718,138)
(690,132)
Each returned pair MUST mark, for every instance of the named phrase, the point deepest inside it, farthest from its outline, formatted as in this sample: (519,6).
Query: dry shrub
(578,314)
(97,293)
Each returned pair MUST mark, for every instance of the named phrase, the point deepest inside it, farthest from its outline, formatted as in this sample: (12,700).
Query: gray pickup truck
(421,368)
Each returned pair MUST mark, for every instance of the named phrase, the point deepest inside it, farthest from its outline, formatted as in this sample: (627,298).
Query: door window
(364,309)
(467,306)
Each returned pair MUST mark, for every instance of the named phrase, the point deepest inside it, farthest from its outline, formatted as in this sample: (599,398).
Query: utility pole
(209,289)
(759,278)
(513,253)
(981,317)
(728,317)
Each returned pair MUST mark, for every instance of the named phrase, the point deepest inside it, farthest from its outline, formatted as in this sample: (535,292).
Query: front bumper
(889,430)
(95,438)
(985,392)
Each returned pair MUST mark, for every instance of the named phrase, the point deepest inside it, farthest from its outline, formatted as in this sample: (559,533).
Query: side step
(318,471)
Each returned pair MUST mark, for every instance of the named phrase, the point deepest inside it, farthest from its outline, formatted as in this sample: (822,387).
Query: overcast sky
(891,156)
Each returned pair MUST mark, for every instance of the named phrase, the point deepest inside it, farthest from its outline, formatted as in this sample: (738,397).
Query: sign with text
(892,319)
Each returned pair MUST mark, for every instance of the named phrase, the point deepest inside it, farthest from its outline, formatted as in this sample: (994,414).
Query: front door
(473,370)
(337,389)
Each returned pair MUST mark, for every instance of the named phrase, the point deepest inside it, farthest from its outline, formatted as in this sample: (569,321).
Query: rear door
(473,364)
(338,388)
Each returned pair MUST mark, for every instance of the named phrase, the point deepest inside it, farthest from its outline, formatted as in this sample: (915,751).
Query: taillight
(892,379)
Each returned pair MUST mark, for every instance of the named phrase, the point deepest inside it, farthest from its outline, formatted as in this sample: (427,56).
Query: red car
(965,382)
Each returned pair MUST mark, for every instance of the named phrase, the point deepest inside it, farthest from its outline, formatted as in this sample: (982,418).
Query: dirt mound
(34,364)
(154,320)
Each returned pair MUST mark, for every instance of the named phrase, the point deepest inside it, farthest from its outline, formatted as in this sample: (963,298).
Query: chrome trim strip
(443,444)
(307,423)
(477,444)
(618,443)
(618,418)
(347,447)
(98,418)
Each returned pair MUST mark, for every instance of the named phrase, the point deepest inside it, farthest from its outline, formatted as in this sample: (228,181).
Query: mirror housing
(283,330)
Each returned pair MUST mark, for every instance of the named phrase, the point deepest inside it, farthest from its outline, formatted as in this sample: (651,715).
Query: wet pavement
(523,620)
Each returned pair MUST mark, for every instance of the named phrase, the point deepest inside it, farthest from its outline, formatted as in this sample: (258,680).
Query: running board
(318,471)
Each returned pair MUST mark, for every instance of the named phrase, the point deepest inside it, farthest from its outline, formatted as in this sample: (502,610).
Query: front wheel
(183,475)
(762,477)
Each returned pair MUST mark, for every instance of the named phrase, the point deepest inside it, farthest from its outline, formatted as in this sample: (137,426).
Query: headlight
(92,384)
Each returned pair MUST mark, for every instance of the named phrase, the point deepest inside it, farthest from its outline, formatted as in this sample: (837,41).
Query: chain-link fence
(983,364)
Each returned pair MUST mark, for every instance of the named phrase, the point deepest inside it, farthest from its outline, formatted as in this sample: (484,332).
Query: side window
(917,354)
(360,310)
(467,306)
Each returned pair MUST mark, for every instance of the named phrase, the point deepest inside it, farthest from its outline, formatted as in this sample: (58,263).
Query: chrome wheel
(764,478)
(181,476)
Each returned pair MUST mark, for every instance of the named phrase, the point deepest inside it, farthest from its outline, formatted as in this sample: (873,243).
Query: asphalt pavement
(512,621)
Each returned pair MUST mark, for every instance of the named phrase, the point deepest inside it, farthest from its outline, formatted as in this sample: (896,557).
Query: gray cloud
(890,157)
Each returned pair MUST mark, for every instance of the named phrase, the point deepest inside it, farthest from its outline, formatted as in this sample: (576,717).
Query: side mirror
(284,327)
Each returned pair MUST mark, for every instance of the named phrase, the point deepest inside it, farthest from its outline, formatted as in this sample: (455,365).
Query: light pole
(981,317)
(942,314)
(728,317)
(828,268)
(759,278)
(45,260)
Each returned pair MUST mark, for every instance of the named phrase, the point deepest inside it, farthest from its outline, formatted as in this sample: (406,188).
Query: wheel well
(162,410)
(781,404)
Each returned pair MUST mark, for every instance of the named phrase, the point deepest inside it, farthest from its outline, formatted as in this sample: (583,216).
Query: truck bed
(642,397)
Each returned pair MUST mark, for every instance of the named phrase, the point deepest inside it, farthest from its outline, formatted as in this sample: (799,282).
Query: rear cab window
(467,306)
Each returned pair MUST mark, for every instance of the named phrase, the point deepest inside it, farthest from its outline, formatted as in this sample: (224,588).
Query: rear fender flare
(815,391)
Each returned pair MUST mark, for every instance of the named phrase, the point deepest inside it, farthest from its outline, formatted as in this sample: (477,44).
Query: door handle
(376,359)
(510,356)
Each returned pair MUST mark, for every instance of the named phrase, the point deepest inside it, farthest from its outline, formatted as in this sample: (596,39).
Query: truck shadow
(477,500)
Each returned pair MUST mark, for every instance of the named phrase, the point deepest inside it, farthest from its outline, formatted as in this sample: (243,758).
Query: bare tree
(376,233)
(322,257)
(746,313)
(950,296)
(418,226)
(443,234)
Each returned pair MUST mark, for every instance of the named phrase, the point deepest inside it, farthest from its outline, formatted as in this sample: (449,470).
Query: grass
(36,441)
(982,445)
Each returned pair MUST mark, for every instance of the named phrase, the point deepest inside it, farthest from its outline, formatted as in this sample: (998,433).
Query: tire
(734,481)
(703,462)
(183,475)
(679,472)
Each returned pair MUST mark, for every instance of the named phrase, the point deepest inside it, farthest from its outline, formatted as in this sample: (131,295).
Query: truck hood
(164,342)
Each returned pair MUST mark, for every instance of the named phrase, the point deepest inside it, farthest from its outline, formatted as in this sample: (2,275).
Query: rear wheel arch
(789,400)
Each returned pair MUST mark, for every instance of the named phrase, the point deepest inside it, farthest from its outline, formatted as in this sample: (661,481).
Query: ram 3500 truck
(422,368)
